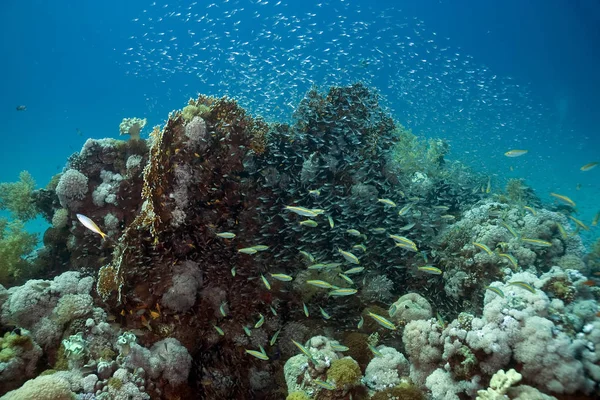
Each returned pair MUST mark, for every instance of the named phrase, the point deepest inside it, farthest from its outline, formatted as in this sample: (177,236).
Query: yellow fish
(248,250)
(483,247)
(579,223)
(321,284)
(515,153)
(387,202)
(258,354)
(382,321)
(596,219)
(564,199)
(226,235)
(589,166)
(265,282)
(309,222)
(349,256)
(495,290)
(536,242)
(510,258)
(305,212)
(523,285)
(91,225)
(430,270)
(282,277)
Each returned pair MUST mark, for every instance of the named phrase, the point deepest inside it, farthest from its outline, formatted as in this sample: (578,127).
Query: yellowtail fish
(441,208)
(265,282)
(440,320)
(511,259)
(330,220)
(405,209)
(563,232)
(226,235)
(346,278)
(495,290)
(342,292)
(222,309)
(523,285)
(349,256)
(91,225)
(579,223)
(321,284)
(260,247)
(382,321)
(324,313)
(247,331)
(219,330)
(375,352)
(361,322)
(304,350)
(258,354)
(273,311)
(596,219)
(282,277)
(387,202)
(448,217)
(589,166)
(407,246)
(564,199)
(355,270)
(488,188)
(315,192)
(309,223)
(378,230)
(260,322)
(339,347)
(360,247)
(536,242)
(274,338)
(531,210)
(430,270)
(307,256)
(233,271)
(515,153)
(305,212)
(248,250)
(305,309)
(317,267)
(510,229)
(483,247)
(406,227)
(353,232)
(324,385)
(402,239)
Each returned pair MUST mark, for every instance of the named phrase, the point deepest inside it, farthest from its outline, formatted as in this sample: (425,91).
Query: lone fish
(515,153)
(589,166)
(91,225)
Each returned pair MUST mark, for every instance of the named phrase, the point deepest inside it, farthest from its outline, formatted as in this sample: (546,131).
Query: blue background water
(67,62)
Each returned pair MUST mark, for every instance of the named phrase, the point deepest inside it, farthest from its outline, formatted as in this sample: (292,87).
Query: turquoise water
(486,77)
(172,294)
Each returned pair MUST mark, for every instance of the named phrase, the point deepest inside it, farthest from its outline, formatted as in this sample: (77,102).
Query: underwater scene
(317,200)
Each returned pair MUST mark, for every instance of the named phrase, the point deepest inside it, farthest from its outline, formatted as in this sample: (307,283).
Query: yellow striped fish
(564,199)
(483,247)
(382,321)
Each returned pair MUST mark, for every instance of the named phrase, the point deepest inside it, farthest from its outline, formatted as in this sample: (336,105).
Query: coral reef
(241,259)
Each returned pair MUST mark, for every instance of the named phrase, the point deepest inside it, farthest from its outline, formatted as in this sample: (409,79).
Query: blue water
(80,67)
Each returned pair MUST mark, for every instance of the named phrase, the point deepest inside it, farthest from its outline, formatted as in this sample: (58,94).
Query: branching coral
(17,197)
(15,245)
